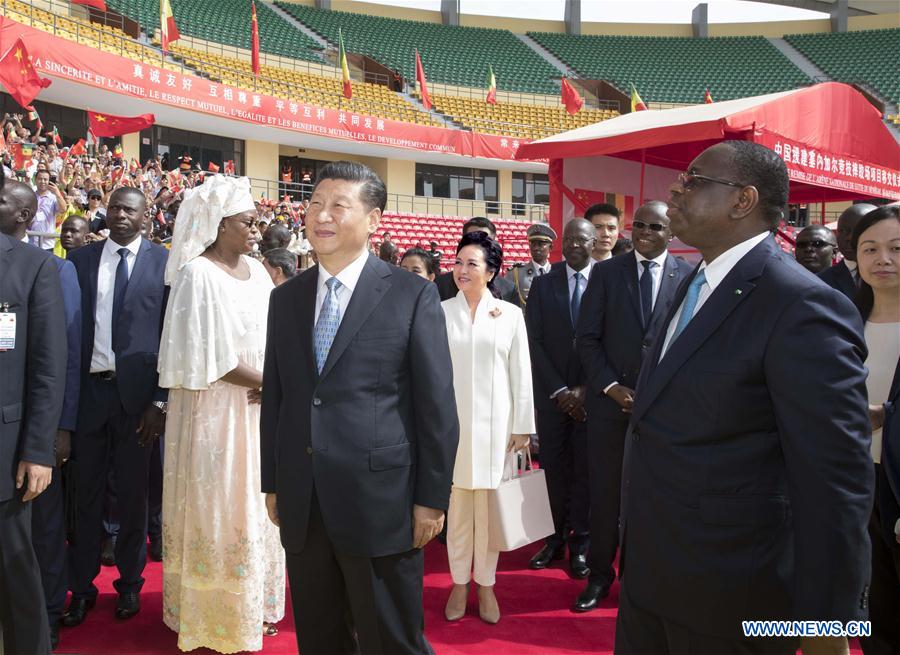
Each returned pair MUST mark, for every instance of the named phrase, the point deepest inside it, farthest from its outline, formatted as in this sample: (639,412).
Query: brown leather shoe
(456,603)
(488,609)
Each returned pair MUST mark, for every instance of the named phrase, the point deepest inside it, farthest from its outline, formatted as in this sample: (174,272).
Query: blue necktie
(328,323)
(690,303)
(121,285)
(646,289)
(575,304)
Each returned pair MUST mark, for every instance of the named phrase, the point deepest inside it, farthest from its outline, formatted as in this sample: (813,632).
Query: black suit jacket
(612,340)
(551,336)
(839,277)
(447,288)
(139,329)
(33,374)
(747,483)
(889,487)
(377,431)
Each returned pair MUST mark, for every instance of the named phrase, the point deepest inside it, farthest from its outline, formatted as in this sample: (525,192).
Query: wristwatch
(161,406)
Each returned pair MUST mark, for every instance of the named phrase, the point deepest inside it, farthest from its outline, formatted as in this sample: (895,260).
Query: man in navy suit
(622,306)
(843,276)
(48,524)
(747,483)
(551,315)
(121,410)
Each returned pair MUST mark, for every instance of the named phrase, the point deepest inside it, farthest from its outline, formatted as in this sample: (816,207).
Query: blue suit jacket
(612,340)
(839,277)
(139,329)
(71,292)
(747,482)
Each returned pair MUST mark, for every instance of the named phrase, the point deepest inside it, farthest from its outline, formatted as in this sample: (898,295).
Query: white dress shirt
(543,269)
(655,273)
(715,273)
(103,358)
(348,278)
(582,283)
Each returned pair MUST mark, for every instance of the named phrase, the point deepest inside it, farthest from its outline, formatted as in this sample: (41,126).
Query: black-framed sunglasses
(251,224)
(815,243)
(641,225)
(689,179)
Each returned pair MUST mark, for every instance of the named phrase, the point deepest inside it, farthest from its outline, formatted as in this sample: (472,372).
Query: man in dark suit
(731,510)
(622,306)
(358,436)
(551,314)
(121,409)
(48,524)
(33,362)
(447,285)
(843,276)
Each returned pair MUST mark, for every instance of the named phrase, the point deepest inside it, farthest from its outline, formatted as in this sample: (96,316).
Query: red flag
(213,168)
(77,149)
(161,217)
(423,83)
(18,75)
(637,104)
(96,4)
(2,143)
(708,97)
(345,69)
(109,125)
(134,166)
(57,139)
(254,39)
(116,175)
(168,30)
(21,154)
(229,167)
(571,98)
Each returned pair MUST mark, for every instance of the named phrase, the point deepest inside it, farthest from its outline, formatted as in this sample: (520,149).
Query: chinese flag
(18,75)
(707,99)
(571,98)
(109,125)
(636,103)
(96,4)
(213,168)
(254,39)
(168,30)
(77,149)
(423,83)
(345,69)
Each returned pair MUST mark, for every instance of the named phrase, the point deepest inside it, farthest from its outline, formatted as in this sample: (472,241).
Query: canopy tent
(834,143)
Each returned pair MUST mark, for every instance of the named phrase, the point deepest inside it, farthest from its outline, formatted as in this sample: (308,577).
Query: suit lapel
(5,248)
(668,286)
(561,291)
(372,285)
(732,291)
(630,280)
(304,315)
(141,264)
(93,270)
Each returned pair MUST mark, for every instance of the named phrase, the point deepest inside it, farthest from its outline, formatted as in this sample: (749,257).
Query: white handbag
(519,509)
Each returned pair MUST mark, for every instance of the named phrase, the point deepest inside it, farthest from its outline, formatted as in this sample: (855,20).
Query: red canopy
(834,142)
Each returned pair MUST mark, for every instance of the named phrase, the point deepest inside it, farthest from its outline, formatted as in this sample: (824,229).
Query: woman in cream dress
(492,381)
(223,571)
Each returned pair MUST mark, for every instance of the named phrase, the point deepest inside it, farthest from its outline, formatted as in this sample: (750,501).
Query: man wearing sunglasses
(747,482)
(626,298)
(815,248)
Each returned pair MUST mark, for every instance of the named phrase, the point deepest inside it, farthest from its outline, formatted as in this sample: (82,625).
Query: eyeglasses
(689,180)
(815,243)
(251,224)
(641,225)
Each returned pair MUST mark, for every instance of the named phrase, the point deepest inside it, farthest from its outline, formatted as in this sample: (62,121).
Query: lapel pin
(738,292)
(671,275)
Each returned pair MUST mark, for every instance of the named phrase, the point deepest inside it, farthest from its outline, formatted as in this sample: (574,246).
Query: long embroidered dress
(223,567)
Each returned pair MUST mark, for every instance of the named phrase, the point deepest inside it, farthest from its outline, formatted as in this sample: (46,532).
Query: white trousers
(467,538)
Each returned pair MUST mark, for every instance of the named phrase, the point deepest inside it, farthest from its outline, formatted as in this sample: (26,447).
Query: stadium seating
(409,230)
(516,120)
(869,57)
(227,22)
(369,99)
(450,55)
(676,69)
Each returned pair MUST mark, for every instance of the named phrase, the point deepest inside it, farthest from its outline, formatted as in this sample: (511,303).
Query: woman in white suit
(492,383)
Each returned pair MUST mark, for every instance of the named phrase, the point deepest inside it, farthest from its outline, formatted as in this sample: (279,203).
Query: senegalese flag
(345,70)
(57,139)
(32,114)
(492,87)
(117,151)
(707,98)
(254,39)
(636,103)
(168,30)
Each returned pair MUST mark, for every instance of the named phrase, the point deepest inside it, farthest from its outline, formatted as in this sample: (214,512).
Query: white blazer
(492,384)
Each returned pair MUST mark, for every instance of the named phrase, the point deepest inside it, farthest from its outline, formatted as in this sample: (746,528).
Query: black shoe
(589,598)
(77,610)
(155,550)
(54,636)
(546,555)
(578,566)
(108,552)
(127,605)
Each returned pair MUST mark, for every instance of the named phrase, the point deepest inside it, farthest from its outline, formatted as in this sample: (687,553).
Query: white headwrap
(201,212)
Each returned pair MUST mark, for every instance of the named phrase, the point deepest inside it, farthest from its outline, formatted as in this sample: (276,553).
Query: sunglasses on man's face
(690,179)
(641,225)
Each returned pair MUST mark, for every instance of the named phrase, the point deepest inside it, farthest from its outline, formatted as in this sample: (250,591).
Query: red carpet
(534,604)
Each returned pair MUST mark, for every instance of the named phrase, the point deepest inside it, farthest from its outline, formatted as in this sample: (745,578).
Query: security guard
(540,240)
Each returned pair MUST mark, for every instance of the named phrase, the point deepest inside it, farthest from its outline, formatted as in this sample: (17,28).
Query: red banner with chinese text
(65,59)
